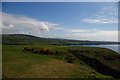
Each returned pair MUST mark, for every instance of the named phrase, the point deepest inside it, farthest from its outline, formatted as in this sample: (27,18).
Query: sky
(94,21)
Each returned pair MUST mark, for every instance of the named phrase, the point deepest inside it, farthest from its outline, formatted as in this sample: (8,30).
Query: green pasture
(18,63)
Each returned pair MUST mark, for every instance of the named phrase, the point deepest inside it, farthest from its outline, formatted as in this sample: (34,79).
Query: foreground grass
(18,63)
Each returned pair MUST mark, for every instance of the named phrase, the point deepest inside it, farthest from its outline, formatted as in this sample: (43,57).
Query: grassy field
(18,63)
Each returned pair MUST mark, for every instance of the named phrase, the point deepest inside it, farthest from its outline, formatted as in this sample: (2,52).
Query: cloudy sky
(96,21)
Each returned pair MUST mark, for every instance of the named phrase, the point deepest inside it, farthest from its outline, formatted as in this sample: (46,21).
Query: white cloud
(107,33)
(108,14)
(79,30)
(8,27)
(99,35)
(91,20)
(17,24)
(94,35)
(99,21)
(24,25)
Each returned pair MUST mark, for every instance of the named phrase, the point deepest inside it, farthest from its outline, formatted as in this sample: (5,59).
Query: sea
(114,47)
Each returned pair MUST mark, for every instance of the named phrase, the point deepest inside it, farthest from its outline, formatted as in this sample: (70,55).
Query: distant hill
(23,39)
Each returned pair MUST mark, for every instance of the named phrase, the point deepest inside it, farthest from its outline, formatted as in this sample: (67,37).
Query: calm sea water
(112,47)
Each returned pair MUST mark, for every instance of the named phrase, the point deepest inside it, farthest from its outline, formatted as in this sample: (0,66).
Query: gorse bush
(70,59)
(29,48)
(41,50)
(45,51)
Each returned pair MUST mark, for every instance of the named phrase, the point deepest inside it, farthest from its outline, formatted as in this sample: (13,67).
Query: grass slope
(18,63)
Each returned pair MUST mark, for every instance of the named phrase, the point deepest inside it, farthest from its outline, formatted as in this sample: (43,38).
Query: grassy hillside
(23,39)
(43,60)
(18,63)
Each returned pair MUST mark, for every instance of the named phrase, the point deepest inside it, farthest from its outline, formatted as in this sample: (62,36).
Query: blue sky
(70,20)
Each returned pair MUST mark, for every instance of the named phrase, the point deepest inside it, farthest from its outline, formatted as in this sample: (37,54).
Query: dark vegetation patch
(45,51)
(99,60)
(98,66)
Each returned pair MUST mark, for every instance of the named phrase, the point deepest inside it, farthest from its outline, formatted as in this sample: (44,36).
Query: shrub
(28,48)
(48,51)
(41,50)
(44,49)
(109,57)
(81,51)
(96,52)
(37,51)
(70,59)
(86,51)
(52,52)
(73,51)
(118,56)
